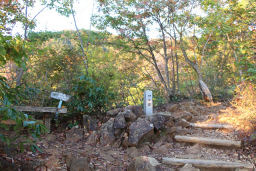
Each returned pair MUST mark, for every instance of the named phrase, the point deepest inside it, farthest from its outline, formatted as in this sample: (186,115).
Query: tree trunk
(207,96)
(20,71)
(80,39)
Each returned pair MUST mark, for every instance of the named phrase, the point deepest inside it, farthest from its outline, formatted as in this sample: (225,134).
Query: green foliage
(13,123)
(11,49)
(88,97)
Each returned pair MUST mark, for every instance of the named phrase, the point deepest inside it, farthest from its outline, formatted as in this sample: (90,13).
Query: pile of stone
(129,127)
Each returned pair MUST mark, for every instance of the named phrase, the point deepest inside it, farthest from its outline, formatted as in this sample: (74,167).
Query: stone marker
(148,103)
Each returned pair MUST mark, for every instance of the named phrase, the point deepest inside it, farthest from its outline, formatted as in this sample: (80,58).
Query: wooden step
(207,163)
(209,125)
(208,141)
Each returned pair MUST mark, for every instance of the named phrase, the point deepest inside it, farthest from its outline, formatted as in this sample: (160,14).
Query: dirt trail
(59,147)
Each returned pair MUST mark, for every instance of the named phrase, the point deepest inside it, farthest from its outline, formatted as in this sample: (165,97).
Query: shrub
(88,97)
(14,130)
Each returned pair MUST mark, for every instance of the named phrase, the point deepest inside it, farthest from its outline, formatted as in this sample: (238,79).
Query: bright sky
(52,21)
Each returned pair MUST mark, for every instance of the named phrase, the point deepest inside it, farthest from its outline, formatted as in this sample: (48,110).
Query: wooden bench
(47,110)
(46,117)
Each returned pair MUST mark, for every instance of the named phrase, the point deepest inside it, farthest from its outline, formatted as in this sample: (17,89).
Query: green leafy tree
(170,21)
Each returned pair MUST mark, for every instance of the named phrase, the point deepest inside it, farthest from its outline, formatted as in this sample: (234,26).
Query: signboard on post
(148,103)
(60,96)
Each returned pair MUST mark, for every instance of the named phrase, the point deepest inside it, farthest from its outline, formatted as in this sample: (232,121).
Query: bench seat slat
(40,109)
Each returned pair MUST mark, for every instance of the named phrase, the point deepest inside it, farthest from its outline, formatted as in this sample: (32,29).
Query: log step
(207,163)
(209,125)
(208,141)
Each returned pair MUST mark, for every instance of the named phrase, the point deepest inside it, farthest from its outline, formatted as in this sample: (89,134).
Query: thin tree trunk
(207,96)
(173,71)
(81,41)
(155,63)
(166,58)
(177,61)
(20,71)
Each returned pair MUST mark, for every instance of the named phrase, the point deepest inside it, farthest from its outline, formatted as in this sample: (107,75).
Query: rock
(137,110)
(132,152)
(81,164)
(163,149)
(172,108)
(194,149)
(125,142)
(144,163)
(118,132)
(93,139)
(90,123)
(182,115)
(68,158)
(183,123)
(107,133)
(119,122)
(52,162)
(187,116)
(169,123)
(114,112)
(51,137)
(158,144)
(158,121)
(139,129)
(182,131)
(188,167)
(171,130)
(129,115)
(145,149)
(74,135)
(106,156)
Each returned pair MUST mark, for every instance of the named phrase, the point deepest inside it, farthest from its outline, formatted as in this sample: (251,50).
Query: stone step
(208,141)
(216,164)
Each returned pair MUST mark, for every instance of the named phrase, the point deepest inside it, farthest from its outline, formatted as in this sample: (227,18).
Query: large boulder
(114,112)
(138,130)
(107,132)
(90,123)
(132,152)
(93,138)
(158,121)
(137,110)
(144,163)
(129,115)
(74,135)
(119,122)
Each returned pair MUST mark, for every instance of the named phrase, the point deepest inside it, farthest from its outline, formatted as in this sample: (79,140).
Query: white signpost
(148,103)
(61,97)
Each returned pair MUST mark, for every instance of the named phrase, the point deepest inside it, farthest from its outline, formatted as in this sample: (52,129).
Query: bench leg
(47,123)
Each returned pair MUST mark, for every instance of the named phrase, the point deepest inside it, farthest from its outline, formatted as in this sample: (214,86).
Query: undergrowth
(242,114)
